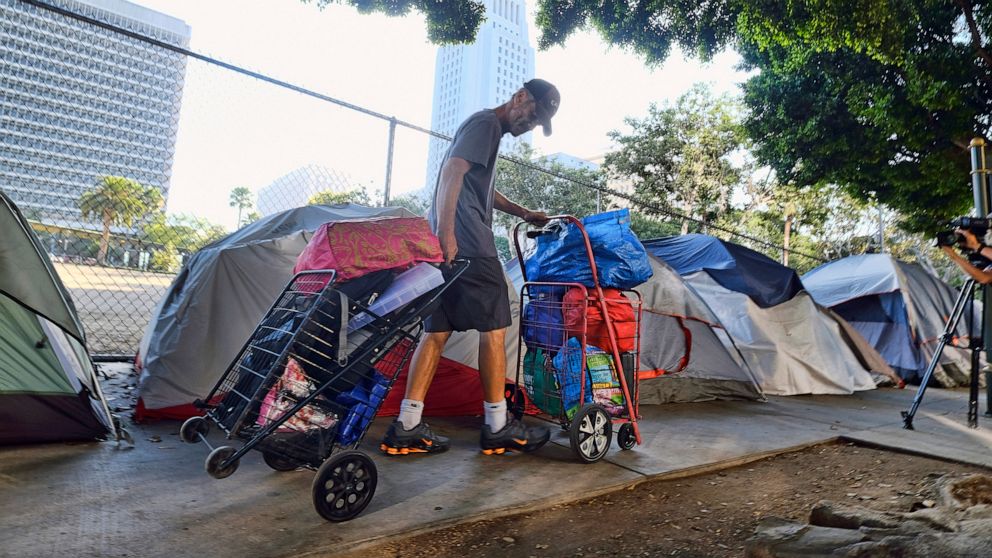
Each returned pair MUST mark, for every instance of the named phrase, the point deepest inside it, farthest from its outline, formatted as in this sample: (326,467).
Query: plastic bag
(291,387)
(540,382)
(621,313)
(602,382)
(541,322)
(363,399)
(621,260)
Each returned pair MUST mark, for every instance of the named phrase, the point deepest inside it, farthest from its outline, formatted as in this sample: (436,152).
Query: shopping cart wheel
(278,462)
(344,485)
(625,436)
(590,433)
(217,458)
(515,400)
(193,428)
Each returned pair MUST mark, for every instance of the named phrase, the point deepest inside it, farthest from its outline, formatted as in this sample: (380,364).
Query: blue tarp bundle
(765,281)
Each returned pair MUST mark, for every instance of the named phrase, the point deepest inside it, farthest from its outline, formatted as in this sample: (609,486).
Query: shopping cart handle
(459,265)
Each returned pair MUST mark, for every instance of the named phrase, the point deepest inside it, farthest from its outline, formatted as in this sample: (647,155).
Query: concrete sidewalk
(156,500)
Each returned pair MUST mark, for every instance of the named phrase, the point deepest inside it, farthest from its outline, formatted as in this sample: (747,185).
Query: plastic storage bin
(405,288)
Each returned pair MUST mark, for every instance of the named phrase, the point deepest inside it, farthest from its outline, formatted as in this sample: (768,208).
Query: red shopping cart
(579,347)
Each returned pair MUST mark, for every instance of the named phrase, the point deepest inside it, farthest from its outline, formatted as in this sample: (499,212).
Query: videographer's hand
(970,241)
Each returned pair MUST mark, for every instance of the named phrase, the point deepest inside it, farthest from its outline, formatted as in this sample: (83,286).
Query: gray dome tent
(901,309)
(217,299)
(48,385)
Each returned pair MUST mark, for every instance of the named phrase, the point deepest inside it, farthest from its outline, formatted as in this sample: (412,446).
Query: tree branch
(976,37)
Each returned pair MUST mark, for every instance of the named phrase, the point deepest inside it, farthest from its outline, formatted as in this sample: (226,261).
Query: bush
(165,260)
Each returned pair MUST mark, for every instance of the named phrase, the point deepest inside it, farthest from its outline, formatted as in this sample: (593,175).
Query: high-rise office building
(295,188)
(484,74)
(78,102)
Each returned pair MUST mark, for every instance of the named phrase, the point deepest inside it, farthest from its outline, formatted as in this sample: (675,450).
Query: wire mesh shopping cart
(581,359)
(307,383)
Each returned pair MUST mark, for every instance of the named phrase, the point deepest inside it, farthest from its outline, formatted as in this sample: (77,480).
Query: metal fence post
(389,161)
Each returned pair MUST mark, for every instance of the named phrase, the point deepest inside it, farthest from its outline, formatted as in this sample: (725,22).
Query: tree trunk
(785,241)
(688,207)
(976,35)
(101,255)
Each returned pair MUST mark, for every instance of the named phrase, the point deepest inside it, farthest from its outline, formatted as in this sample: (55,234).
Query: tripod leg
(966,294)
(988,393)
(973,391)
(907,416)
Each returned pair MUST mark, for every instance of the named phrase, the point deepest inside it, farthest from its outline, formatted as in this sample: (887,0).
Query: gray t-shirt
(476,141)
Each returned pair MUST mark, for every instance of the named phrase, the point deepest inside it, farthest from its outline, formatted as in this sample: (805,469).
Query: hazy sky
(236,131)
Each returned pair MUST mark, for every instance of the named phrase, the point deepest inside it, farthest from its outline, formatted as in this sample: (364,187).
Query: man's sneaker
(419,439)
(515,436)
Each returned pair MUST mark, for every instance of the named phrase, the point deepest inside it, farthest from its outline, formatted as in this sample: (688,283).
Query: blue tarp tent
(735,267)
(792,345)
(899,307)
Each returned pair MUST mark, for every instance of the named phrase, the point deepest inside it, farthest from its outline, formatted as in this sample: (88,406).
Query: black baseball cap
(547,98)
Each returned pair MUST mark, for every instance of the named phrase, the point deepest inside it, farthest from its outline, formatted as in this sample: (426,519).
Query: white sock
(410,413)
(495,415)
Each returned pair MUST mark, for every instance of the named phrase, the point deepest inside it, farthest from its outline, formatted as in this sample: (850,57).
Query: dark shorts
(478,300)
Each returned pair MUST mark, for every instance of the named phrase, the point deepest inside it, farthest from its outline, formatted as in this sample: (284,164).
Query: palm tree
(241,198)
(120,201)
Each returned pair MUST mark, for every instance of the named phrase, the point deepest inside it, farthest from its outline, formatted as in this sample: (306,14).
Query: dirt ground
(709,515)
(114,304)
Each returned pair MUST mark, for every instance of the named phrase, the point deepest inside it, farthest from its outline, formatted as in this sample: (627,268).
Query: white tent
(792,345)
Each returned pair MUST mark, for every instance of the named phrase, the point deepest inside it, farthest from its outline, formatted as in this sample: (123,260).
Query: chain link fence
(128,153)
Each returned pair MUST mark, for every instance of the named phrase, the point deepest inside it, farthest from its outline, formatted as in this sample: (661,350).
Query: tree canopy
(680,154)
(241,198)
(878,96)
(331,197)
(541,191)
(185,233)
(416,202)
(448,22)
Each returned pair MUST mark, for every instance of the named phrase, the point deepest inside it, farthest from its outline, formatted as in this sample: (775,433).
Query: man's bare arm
(979,275)
(504,204)
(452,174)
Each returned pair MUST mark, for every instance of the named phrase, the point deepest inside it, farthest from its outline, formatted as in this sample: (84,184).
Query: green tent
(48,385)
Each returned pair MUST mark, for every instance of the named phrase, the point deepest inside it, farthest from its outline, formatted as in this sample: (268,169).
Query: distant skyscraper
(572,162)
(295,188)
(484,74)
(78,102)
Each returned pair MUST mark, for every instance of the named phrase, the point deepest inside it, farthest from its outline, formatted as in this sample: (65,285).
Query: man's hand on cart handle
(449,247)
(538,218)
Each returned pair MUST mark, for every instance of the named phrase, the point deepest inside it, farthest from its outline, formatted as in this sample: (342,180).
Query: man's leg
(492,364)
(492,371)
(501,433)
(408,433)
(424,364)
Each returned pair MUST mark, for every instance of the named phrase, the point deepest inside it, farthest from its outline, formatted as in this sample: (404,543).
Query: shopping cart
(307,383)
(581,359)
